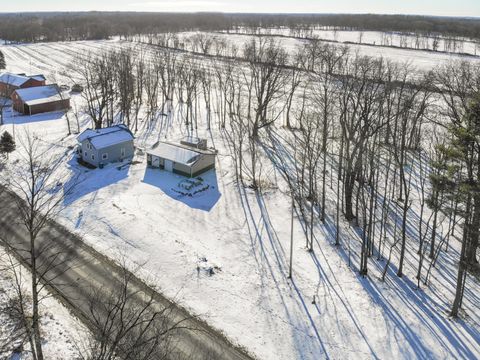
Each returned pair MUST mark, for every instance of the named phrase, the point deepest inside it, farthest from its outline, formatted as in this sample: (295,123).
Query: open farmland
(223,253)
(378,38)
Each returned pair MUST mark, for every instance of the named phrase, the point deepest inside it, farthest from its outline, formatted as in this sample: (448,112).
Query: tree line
(102,25)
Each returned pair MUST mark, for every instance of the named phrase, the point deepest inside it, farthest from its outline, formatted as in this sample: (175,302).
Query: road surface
(82,269)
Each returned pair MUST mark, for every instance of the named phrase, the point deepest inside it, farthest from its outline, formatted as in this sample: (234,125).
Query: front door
(168,165)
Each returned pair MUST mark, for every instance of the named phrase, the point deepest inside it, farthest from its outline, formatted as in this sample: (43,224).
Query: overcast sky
(423,7)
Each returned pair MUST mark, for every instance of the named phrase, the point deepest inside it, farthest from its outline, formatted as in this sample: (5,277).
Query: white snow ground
(467,46)
(223,254)
(421,59)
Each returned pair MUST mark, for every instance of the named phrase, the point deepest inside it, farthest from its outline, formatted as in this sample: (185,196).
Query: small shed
(185,158)
(10,82)
(101,146)
(40,99)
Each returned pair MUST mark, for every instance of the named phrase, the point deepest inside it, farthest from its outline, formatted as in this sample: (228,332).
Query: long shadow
(423,307)
(203,196)
(15,118)
(268,273)
(427,314)
(84,181)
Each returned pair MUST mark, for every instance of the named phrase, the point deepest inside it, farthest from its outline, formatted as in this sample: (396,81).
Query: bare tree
(38,191)
(125,83)
(97,74)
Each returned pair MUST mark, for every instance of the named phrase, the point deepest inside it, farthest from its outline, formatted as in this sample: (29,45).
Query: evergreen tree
(458,177)
(7,144)
(2,61)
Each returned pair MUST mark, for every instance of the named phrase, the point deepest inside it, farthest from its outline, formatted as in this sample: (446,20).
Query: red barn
(40,99)
(11,82)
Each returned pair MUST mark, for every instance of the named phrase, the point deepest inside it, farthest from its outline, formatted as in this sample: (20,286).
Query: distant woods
(96,25)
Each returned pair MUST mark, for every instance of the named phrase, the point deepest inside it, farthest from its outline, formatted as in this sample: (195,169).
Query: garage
(181,158)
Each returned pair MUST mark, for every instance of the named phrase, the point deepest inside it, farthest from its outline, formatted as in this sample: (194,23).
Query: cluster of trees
(461,27)
(124,85)
(95,25)
(357,127)
(100,25)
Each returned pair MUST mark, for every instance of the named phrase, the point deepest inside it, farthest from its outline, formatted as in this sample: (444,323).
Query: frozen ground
(224,252)
(62,333)
(420,59)
(411,41)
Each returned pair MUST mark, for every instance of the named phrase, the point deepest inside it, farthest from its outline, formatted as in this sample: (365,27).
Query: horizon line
(233,13)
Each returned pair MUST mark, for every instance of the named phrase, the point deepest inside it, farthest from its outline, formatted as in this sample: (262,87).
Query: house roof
(41,94)
(175,153)
(102,138)
(18,79)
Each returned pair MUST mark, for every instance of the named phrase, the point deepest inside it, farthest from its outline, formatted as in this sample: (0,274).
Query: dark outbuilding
(40,99)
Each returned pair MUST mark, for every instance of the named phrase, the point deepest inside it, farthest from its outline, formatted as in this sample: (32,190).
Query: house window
(122,151)
(93,157)
(104,156)
(85,154)
(88,146)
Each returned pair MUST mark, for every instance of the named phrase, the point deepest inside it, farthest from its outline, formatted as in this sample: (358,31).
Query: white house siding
(205,163)
(114,153)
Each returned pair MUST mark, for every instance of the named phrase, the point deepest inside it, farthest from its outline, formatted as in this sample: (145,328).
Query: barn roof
(102,138)
(39,77)
(41,94)
(175,153)
(13,79)
(18,79)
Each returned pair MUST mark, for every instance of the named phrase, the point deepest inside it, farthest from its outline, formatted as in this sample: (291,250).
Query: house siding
(7,90)
(114,153)
(50,106)
(87,153)
(205,163)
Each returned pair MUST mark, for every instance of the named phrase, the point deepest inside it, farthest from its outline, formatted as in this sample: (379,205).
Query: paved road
(80,269)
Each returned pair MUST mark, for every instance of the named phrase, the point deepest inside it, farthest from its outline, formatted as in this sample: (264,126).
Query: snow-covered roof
(41,94)
(175,153)
(38,77)
(13,79)
(102,138)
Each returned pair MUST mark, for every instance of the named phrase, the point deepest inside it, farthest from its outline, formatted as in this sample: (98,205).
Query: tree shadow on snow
(426,310)
(11,117)
(199,193)
(86,181)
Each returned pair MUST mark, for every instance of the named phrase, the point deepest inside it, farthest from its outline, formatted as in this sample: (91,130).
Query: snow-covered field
(328,310)
(422,60)
(411,41)
(63,334)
